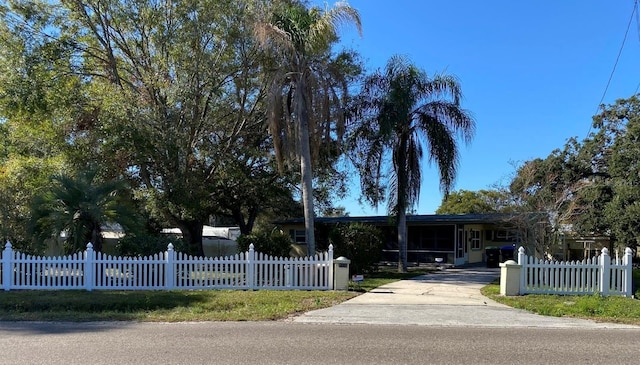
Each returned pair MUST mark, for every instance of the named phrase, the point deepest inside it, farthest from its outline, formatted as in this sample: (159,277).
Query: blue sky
(532,73)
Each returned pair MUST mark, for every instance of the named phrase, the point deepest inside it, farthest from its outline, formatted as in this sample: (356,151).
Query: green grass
(179,305)
(163,306)
(604,309)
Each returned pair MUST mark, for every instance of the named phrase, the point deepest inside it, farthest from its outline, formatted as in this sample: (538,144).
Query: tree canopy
(474,202)
(174,97)
(590,186)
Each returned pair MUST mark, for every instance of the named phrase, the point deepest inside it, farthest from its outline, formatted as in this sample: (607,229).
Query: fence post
(170,267)
(628,272)
(251,272)
(89,256)
(7,266)
(522,261)
(341,273)
(510,278)
(330,262)
(605,272)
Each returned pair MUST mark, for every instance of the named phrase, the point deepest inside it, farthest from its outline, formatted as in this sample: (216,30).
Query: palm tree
(400,111)
(300,39)
(79,206)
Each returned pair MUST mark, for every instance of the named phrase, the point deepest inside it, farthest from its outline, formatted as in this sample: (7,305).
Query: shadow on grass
(99,301)
(83,306)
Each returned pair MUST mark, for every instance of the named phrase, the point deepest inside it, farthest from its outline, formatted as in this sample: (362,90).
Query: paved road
(303,343)
(448,297)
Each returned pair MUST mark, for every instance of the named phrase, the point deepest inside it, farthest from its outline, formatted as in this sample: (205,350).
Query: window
(504,235)
(475,239)
(298,236)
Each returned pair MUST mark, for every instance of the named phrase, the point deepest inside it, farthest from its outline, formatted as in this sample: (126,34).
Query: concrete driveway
(449,297)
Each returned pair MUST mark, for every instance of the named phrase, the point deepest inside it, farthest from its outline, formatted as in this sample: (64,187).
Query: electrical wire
(633,12)
(638,30)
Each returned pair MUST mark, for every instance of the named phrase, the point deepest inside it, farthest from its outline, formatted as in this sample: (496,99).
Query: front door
(462,253)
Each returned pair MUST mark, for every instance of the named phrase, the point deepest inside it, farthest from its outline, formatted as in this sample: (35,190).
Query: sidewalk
(449,298)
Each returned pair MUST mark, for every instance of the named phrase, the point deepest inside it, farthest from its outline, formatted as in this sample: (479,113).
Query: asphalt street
(305,343)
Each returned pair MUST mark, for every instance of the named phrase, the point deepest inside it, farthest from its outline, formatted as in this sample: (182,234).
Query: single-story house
(572,247)
(453,239)
(216,241)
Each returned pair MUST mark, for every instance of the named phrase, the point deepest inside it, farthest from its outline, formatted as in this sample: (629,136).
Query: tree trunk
(402,241)
(305,169)
(401,174)
(96,239)
(192,234)
(245,226)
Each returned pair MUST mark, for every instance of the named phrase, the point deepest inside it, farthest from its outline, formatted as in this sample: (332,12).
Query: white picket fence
(91,270)
(600,274)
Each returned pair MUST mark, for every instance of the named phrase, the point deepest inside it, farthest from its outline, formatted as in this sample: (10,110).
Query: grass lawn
(604,309)
(178,305)
(162,306)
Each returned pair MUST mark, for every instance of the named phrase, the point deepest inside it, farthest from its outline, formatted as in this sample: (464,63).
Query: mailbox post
(341,273)
(510,278)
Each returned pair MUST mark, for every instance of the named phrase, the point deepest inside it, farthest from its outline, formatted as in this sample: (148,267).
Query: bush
(273,243)
(359,243)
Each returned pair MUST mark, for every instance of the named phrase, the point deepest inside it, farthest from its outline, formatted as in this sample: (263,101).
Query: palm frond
(323,30)
(441,87)
(78,205)
(269,35)
(343,14)
(442,149)
(459,121)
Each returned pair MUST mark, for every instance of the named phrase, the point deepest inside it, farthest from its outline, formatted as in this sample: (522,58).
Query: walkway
(448,298)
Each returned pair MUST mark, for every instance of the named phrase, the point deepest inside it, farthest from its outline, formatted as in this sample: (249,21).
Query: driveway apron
(449,297)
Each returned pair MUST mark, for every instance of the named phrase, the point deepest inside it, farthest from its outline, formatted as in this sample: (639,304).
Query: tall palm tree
(401,111)
(300,38)
(79,206)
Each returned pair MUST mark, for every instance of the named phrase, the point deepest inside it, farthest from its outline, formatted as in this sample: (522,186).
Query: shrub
(273,243)
(359,243)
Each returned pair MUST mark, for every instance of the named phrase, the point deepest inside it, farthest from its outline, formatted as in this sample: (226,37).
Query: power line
(637,20)
(638,30)
(633,12)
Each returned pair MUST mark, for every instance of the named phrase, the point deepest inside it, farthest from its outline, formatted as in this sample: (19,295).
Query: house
(571,246)
(216,241)
(111,234)
(453,239)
